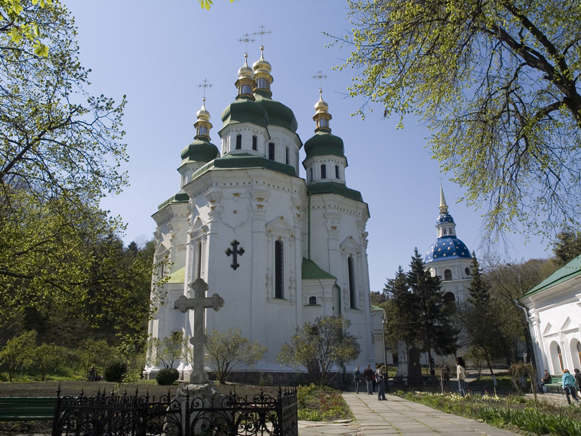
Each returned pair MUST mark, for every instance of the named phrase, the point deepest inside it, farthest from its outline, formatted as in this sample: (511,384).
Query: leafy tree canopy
(497,81)
(567,246)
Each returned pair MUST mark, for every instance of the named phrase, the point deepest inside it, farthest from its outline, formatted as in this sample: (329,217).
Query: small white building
(280,249)
(554,312)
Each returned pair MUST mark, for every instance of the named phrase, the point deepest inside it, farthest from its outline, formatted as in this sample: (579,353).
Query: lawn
(512,412)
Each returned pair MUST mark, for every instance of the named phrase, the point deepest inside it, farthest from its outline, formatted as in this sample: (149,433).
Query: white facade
(304,242)
(554,311)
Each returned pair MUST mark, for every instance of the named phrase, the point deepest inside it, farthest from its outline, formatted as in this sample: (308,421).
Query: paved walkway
(397,416)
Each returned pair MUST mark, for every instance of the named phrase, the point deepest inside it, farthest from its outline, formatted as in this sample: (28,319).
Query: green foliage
(165,352)
(416,311)
(320,346)
(97,353)
(115,371)
(207,4)
(568,246)
(166,377)
(318,403)
(496,81)
(231,348)
(18,353)
(48,357)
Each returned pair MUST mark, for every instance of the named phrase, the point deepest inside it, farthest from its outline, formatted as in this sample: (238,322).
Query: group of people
(372,379)
(569,383)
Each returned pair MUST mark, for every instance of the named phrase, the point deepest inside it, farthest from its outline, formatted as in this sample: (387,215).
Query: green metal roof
(334,188)
(244,110)
(310,271)
(180,197)
(178,276)
(324,144)
(201,150)
(246,160)
(278,113)
(572,269)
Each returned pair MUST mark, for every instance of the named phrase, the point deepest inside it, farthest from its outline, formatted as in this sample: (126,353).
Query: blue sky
(157,53)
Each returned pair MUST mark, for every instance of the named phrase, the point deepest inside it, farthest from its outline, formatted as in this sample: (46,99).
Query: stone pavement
(397,416)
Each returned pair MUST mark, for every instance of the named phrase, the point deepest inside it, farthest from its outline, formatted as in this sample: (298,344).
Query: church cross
(199,304)
(262,32)
(246,39)
(320,76)
(205,84)
(235,253)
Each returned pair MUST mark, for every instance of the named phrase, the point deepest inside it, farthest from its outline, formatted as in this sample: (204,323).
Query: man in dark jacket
(545,381)
(368,375)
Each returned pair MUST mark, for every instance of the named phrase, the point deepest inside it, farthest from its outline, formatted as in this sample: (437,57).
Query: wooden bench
(27,409)
(555,386)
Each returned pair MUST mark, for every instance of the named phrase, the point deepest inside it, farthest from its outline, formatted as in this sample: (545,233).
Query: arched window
(271,150)
(576,352)
(337,171)
(278,270)
(262,83)
(312,300)
(203,131)
(254,143)
(560,357)
(323,171)
(245,89)
(467,271)
(323,122)
(449,302)
(351,270)
(556,358)
(447,275)
(199,260)
(238,142)
(579,350)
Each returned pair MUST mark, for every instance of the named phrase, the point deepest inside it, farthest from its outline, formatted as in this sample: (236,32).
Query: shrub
(115,371)
(166,377)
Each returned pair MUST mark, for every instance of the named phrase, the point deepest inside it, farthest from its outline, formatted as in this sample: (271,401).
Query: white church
(280,249)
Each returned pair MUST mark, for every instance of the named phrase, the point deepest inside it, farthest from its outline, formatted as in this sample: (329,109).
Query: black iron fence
(134,415)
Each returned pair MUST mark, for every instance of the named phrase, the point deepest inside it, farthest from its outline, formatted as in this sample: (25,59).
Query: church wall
(256,208)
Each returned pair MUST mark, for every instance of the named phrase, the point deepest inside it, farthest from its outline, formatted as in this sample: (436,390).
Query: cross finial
(205,84)
(246,39)
(262,32)
(320,76)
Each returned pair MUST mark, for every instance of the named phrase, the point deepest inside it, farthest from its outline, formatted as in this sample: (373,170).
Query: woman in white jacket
(461,374)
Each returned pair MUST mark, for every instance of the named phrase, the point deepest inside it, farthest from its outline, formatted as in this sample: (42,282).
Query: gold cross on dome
(262,32)
(320,76)
(205,85)
(246,39)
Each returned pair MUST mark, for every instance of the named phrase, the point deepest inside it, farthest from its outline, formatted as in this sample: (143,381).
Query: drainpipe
(534,358)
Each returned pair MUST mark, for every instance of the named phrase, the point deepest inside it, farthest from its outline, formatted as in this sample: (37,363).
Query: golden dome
(203,114)
(245,72)
(262,65)
(321,106)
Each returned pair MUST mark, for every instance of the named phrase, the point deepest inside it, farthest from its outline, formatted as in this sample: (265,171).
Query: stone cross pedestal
(199,304)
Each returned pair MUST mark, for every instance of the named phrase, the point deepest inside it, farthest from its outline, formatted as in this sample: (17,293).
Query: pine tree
(479,289)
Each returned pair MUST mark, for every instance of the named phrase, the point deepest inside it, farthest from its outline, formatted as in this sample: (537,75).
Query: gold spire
(262,69)
(322,115)
(245,71)
(203,124)
(443,205)
(245,83)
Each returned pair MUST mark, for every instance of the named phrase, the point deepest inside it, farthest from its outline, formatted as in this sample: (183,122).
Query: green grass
(512,412)
(316,403)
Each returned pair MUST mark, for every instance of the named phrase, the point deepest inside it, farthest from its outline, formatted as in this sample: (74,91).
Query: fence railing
(135,415)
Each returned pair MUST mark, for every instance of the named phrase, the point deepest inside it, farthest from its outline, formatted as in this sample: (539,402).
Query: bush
(166,377)
(115,371)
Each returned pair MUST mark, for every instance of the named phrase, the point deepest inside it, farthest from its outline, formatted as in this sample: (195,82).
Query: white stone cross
(199,304)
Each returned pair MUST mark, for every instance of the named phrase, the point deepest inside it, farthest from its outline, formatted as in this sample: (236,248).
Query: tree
(47,357)
(497,82)
(320,346)
(231,348)
(207,4)
(18,353)
(568,246)
(17,24)
(417,313)
(165,352)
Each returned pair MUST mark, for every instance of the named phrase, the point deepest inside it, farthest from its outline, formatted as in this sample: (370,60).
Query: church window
(271,150)
(286,156)
(323,171)
(262,83)
(238,142)
(351,271)
(323,122)
(447,275)
(311,171)
(336,171)
(467,271)
(312,301)
(449,302)
(203,131)
(199,260)
(278,270)
(254,143)
(245,89)
(560,357)
(444,231)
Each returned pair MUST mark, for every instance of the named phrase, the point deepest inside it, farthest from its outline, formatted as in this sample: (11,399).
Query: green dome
(278,113)
(245,111)
(324,144)
(201,150)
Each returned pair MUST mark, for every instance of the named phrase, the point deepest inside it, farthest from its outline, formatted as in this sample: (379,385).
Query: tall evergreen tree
(479,290)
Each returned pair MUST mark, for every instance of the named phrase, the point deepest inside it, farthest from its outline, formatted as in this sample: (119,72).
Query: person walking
(356,378)
(368,376)
(578,379)
(545,381)
(569,385)
(380,381)
(461,375)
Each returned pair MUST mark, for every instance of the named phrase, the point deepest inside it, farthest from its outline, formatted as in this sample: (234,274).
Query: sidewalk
(397,416)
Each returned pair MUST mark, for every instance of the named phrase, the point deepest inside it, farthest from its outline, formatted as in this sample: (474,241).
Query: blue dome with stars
(447,247)
(444,218)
